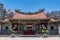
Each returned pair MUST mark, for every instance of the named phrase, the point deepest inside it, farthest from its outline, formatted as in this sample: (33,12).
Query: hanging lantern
(14,27)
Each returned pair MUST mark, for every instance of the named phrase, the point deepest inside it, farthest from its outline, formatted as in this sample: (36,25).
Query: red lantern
(15,27)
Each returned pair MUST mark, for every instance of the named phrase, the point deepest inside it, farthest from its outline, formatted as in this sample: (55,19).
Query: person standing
(44,30)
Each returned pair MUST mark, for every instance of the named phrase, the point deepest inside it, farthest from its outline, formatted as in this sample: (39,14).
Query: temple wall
(21,28)
(6,28)
(53,28)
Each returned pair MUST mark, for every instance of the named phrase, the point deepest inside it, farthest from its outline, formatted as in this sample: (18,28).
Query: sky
(32,5)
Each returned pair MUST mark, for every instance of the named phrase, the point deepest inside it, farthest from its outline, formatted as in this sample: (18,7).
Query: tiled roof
(33,16)
(0,21)
(5,20)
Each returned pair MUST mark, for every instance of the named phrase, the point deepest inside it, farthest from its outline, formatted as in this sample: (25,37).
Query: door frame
(29,26)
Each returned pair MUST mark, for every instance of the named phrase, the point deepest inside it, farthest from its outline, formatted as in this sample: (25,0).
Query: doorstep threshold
(29,35)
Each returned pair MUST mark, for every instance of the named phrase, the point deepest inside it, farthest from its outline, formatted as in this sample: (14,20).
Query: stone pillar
(0,28)
(24,27)
(59,28)
(34,26)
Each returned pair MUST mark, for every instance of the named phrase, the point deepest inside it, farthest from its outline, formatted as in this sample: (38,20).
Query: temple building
(28,23)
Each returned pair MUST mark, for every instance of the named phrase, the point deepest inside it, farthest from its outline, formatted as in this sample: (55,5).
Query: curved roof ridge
(30,13)
(35,16)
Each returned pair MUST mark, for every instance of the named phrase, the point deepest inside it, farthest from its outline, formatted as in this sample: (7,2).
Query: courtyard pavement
(29,38)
